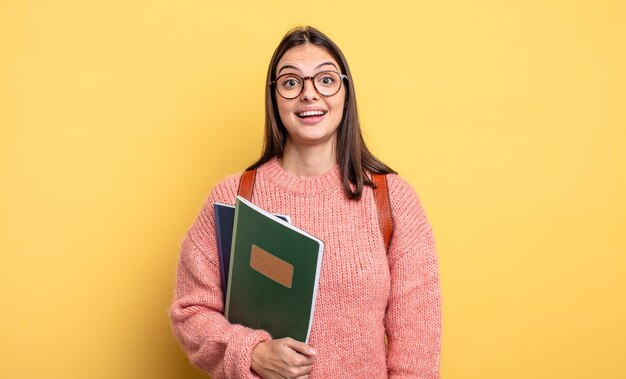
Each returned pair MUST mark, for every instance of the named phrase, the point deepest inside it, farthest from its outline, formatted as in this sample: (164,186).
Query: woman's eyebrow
(288,66)
(326,63)
(318,66)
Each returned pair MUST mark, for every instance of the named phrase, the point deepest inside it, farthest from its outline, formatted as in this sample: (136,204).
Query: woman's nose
(309,92)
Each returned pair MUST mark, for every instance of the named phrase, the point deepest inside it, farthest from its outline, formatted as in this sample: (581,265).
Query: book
(274,274)
(224,215)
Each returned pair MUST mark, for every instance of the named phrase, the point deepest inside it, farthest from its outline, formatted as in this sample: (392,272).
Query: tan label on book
(271,266)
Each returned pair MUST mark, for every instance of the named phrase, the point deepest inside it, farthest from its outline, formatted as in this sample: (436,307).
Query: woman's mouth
(307,114)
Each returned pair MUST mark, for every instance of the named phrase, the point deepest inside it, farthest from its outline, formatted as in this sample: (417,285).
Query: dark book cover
(274,274)
(224,219)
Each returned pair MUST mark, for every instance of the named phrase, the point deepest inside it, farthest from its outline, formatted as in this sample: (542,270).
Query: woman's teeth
(311,113)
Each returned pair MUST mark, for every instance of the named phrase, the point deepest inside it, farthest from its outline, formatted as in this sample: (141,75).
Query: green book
(273,274)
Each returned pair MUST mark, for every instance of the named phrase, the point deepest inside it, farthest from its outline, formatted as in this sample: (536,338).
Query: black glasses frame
(342,77)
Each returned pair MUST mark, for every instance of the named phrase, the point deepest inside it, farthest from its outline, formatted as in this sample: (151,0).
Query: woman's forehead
(306,57)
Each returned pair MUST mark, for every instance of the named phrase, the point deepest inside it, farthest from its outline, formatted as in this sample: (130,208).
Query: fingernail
(312,352)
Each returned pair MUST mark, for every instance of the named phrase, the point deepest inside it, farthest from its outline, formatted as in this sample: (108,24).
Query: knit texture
(364,291)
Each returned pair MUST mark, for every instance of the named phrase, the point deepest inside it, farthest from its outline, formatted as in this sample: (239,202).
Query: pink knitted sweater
(364,292)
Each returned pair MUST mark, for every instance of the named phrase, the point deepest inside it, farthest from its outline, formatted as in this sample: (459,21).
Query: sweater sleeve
(221,349)
(413,319)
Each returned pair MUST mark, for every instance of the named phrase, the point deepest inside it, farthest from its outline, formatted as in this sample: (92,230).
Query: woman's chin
(312,139)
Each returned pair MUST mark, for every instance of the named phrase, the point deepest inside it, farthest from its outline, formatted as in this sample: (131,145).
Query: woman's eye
(290,83)
(327,80)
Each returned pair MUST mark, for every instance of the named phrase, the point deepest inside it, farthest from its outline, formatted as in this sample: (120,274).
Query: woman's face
(310,118)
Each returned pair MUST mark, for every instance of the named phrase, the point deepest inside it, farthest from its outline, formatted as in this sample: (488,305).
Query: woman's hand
(282,358)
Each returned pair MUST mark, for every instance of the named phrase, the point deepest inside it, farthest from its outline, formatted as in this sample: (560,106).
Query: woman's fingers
(285,358)
(296,371)
(298,346)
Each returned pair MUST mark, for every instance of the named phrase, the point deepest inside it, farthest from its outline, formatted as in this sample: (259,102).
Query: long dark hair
(353,156)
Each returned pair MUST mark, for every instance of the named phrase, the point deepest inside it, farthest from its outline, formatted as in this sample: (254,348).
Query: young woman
(378,311)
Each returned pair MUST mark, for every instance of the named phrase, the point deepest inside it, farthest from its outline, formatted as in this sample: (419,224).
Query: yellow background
(508,117)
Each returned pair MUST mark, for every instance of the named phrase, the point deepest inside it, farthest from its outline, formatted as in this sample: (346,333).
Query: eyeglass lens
(290,86)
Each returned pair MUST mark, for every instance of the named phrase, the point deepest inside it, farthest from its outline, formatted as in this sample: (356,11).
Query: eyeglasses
(326,83)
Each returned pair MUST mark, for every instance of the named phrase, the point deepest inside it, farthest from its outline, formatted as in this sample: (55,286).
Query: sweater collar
(328,181)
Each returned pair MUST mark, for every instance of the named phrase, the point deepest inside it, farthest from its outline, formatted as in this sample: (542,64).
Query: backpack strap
(383,206)
(381,197)
(246,184)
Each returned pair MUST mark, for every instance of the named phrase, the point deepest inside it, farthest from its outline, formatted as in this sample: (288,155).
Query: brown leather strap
(246,184)
(381,197)
(385,218)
